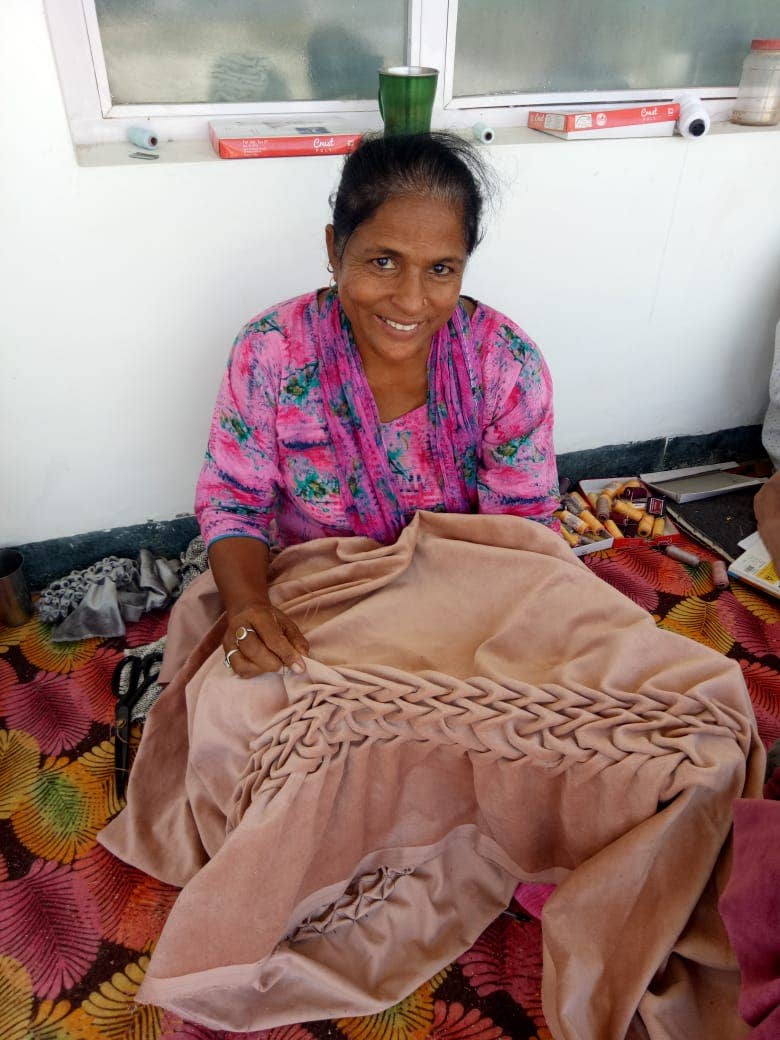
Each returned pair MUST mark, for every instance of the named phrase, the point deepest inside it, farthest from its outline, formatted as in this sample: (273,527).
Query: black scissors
(140,674)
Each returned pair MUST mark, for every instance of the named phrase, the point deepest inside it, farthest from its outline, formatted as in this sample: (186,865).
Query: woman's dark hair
(438,164)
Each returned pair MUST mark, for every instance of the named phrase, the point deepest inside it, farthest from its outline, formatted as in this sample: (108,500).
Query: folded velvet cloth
(478,709)
(750,907)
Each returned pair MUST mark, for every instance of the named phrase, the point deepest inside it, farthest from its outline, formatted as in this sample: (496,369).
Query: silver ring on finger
(243,632)
(228,655)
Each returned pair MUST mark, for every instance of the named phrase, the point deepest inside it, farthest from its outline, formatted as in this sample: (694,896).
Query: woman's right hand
(269,640)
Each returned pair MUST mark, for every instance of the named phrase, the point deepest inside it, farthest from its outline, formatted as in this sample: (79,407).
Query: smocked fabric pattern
(478,709)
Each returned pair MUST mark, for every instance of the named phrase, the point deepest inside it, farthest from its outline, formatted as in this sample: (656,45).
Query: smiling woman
(348,410)
(399,276)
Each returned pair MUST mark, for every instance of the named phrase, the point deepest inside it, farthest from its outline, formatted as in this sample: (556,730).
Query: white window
(180,62)
(616,48)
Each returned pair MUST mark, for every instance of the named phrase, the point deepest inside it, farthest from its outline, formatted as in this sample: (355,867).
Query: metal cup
(15,603)
(406,94)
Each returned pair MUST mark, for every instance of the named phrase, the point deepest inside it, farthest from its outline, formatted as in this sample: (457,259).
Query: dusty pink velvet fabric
(479,709)
(751,910)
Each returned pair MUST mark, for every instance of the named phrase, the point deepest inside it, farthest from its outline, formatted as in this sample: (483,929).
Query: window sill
(200,151)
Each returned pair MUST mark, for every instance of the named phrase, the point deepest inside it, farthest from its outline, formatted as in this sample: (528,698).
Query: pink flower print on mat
(763,685)
(175,1028)
(93,683)
(532,897)
(49,709)
(132,906)
(49,923)
(148,629)
(507,957)
(631,584)
(750,619)
(453,1022)
(7,676)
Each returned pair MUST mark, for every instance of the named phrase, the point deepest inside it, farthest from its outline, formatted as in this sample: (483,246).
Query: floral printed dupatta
(455,404)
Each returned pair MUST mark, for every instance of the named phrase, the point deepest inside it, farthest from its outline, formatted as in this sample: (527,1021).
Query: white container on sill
(758,100)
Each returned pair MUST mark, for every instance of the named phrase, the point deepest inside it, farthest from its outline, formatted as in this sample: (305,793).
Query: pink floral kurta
(270,470)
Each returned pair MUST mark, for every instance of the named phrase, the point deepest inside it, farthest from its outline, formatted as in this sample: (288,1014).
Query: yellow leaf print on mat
(410,1019)
(439,978)
(701,577)
(698,620)
(113,1010)
(19,758)
(34,640)
(99,763)
(62,813)
(60,1021)
(761,606)
(47,1023)
(16,1000)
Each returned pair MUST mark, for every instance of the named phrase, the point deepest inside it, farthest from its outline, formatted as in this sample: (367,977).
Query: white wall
(648,271)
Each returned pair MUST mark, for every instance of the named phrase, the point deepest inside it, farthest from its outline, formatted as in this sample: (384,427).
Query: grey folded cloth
(99,600)
(64,594)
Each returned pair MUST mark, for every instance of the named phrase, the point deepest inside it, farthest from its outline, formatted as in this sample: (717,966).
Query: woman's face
(399,277)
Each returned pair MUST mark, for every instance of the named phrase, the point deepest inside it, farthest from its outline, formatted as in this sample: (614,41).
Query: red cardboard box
(242,139)
(584,121)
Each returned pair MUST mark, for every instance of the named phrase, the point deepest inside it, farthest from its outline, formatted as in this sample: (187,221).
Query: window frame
(431,27)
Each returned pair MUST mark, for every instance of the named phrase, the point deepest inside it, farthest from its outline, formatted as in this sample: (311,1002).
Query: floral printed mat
(77,926)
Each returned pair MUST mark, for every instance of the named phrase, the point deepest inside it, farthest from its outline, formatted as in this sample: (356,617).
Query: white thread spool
(694,119)
(142,137)
(483,133)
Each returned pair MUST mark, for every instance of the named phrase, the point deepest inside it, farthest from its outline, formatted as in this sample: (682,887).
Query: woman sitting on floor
(477,708)
(345,411)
